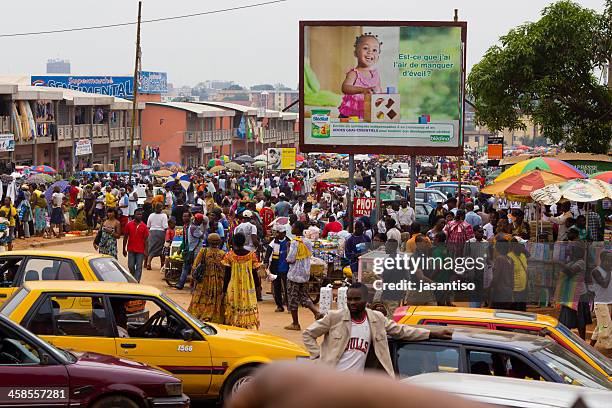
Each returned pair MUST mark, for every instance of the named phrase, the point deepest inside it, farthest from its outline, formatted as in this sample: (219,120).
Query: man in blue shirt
(282,207)
(276,261)
(471,217)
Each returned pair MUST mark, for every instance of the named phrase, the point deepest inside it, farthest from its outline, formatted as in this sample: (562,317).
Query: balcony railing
(207,138)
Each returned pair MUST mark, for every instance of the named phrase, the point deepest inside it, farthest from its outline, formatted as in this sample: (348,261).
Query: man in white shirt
(133,201)
(124,203)
(562,219)
(356,330)
(392,231)
(405,216)
(249,231)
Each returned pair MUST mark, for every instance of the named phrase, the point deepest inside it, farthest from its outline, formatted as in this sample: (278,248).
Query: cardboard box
(382,108)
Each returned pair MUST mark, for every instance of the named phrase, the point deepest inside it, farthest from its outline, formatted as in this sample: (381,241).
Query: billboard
(7,142)
(82,147)
(119,86)
(382,87)
(281,158)
(495,147)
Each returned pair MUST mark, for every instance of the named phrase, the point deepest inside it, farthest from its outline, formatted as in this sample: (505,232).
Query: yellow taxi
(212,360)
(505,320)
(17,267)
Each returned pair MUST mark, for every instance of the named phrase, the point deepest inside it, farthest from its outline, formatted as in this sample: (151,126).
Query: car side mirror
(187,334)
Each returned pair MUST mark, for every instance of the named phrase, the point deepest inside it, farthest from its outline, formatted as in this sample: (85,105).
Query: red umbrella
(299,158)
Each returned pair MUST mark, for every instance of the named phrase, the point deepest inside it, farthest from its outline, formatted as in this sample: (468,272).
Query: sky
(250,46)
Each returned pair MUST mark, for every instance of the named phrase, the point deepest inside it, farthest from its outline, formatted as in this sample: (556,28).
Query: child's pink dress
(352,105)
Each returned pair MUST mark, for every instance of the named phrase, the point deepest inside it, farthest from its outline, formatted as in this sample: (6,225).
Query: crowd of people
(231,240)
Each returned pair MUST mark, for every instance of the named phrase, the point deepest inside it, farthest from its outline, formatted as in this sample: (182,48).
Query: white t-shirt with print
(356,351)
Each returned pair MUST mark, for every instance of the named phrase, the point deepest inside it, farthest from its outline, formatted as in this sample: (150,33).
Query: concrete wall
(164,127)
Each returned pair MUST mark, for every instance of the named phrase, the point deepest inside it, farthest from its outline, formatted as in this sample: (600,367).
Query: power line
(155,20)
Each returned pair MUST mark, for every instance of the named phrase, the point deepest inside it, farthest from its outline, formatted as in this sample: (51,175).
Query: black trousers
(280,290)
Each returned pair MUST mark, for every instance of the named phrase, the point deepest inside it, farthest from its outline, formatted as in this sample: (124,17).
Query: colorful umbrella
(333,175)
(173,164)
(261,157)
(215,162)
(162,173)
(604,176)
(548,164)
(39,178)
(520,186)
(225,158)
(43,169)
(584,191)
(300,158)
(63,186)
(234,166)
(259,163)
(216,169)
(244,159)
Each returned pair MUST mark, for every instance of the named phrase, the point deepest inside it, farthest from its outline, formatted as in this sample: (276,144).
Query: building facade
(65,129)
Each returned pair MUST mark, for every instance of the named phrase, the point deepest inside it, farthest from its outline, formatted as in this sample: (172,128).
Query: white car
(512,392)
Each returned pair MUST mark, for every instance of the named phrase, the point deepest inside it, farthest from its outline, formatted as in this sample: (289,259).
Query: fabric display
(44,111)
(325,299)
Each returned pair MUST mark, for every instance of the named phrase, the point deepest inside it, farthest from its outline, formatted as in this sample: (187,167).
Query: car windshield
(595,355)
(107,269)
(572,368)
(208,330)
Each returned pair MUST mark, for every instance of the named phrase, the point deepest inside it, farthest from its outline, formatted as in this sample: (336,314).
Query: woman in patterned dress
(240,298)
(109,234)
(207,299)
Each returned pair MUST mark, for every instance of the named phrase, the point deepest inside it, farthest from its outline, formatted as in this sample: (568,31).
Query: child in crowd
(4,230)
(363,79)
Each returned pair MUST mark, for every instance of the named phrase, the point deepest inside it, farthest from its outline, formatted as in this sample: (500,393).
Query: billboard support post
(413,181)
(351,186)
(378,216)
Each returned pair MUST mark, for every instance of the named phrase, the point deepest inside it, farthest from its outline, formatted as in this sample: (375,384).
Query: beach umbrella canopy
(244,159)
(173,164)
(604,176)
(362,157)
(261,157)
(548,164)
(333,175)
(520,186)
(259,163)
(234,166)
(39,179)
(43,169)
(216,169)
(215,162)
(62,184)
(579,190)
(586,190)
(299,158)
(162,173)
(225,158)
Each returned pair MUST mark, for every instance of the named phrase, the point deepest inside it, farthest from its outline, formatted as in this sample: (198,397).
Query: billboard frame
(389,150)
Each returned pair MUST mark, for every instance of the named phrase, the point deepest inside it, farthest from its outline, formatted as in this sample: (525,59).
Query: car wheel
(237,380)
(115,401)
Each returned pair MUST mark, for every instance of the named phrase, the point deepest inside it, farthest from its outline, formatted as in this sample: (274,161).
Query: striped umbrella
(548,164)
(603,176)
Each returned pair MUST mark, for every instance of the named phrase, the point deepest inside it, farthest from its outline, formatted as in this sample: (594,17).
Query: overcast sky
(257,45)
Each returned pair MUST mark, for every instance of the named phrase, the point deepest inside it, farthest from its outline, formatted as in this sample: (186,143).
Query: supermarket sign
(363,206)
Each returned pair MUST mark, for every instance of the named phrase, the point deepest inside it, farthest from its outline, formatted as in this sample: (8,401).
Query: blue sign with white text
(119,86)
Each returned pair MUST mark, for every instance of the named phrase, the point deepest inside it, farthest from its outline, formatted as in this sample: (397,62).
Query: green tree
(545,70)
(262,87)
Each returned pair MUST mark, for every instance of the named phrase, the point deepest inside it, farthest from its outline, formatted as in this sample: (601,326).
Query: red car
(34,373)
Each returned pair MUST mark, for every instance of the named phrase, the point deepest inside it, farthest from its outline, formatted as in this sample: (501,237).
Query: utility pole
(459,158)
(135,91)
